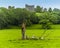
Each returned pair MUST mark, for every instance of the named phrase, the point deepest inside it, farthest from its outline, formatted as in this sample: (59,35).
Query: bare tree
(23,31)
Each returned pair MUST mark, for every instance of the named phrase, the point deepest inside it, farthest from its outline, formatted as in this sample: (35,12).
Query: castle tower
(29,7)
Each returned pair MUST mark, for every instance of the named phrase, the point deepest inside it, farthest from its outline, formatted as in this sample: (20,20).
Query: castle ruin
(29,7)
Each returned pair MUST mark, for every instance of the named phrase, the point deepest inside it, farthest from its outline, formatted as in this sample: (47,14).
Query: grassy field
(38,26)
(11,38)
(35,26)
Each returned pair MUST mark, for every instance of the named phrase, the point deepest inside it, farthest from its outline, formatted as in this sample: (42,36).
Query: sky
(21,3)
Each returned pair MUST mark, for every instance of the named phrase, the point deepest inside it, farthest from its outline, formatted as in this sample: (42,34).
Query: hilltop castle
(30,8)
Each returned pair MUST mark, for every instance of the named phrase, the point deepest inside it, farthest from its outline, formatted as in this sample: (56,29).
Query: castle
(30,8)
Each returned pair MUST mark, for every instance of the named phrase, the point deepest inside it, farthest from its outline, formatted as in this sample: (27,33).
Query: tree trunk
(23,31)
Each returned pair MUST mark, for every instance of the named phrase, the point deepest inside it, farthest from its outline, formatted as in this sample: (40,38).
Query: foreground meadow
(11,38)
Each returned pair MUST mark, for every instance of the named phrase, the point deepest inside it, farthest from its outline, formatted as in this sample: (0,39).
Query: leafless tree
(23,31)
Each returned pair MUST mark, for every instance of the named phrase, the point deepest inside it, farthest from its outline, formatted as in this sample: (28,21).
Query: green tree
(3,22)
(46,24)
(56,10)
(34,19)
(38,9)
(45,20)
(50,10)
(45,10)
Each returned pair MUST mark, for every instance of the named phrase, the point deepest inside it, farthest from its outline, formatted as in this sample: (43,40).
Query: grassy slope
(35,26)
(10,39)
(38,26)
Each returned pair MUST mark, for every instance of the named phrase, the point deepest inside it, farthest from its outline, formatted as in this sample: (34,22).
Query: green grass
(56,26)
(9,38)
(35,26)
(38,26)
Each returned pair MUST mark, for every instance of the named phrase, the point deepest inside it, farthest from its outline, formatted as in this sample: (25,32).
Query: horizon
(21,3)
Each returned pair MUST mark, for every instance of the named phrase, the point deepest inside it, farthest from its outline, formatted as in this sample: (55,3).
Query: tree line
(12,16)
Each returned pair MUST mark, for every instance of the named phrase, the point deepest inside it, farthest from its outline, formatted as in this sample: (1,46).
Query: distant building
(29,7)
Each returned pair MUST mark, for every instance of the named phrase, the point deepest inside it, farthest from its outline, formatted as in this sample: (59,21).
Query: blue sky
(21,3)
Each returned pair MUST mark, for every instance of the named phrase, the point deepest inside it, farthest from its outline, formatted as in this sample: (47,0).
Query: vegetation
(41,23)
(10,38)
(12,16)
